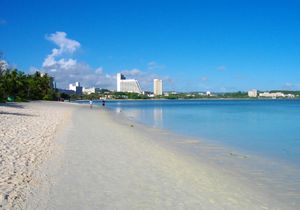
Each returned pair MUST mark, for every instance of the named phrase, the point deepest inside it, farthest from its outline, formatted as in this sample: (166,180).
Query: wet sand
(107,163)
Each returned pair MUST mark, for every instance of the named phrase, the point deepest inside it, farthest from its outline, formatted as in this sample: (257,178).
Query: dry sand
(100,162)
(26,139)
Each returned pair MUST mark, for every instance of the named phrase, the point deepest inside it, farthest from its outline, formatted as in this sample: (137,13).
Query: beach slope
(101,163)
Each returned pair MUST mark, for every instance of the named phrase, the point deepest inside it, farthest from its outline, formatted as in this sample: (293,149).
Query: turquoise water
(266,127)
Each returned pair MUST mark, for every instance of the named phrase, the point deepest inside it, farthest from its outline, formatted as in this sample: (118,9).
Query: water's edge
(273,177)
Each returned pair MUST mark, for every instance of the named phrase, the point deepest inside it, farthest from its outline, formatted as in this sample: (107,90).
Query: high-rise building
(88,91)
(76,87)
(157,87)
(127,85)
(252,93)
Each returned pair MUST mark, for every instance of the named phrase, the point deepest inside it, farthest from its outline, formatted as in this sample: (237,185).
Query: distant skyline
(191,45)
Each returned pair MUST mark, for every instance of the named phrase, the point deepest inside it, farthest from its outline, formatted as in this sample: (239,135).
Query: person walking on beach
(91,104)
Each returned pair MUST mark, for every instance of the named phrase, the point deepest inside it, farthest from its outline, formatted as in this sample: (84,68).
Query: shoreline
(139,158)
(271,174)
(120,164)
(231,149)
(194,99)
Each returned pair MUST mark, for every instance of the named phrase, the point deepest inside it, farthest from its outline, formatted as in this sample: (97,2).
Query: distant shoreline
(194,99)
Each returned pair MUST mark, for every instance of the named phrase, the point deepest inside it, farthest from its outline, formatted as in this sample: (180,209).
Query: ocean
(269,128)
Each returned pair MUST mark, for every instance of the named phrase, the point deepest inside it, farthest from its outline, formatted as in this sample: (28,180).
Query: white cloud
(67,64)
(83,73)
(69,70)
(99,70)
(132,72)
(152,65)
(65,69)
(65,44)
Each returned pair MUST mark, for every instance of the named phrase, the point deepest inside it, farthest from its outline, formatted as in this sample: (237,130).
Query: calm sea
(265,127)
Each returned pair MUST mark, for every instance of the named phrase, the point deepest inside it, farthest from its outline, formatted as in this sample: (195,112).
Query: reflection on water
(158,117)
(269,128)
(265,127)
(134,113)
(154,116)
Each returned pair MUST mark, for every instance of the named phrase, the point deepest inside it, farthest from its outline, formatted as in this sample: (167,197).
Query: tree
(13,84)
(39,87)
(20,87)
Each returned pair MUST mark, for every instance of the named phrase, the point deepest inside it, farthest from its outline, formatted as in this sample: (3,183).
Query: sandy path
(26,139)
(109,165)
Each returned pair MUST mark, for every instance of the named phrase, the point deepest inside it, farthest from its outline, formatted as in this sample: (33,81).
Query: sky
(219,46)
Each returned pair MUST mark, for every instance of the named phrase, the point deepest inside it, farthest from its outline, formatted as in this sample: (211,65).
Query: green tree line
(15,85)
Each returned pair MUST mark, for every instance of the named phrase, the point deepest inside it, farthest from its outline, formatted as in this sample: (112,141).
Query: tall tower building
(76,87)
(127,85)
(120,77)
(157,87)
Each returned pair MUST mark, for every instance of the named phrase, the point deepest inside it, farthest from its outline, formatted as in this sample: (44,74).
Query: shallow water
(101,161)
(241,139)
(266,127)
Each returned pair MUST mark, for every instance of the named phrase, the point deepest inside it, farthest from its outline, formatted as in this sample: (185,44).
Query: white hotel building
(252,93)
(157,87)
(127,85)
(89,91)
(76,88)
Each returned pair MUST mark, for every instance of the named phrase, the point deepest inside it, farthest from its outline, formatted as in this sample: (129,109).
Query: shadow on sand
(14,105)
(17,114)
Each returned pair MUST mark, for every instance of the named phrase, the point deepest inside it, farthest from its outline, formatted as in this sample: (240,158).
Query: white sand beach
(26,139)
(65,156)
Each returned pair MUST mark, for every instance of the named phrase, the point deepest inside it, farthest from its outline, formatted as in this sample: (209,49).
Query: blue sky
(191,45)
